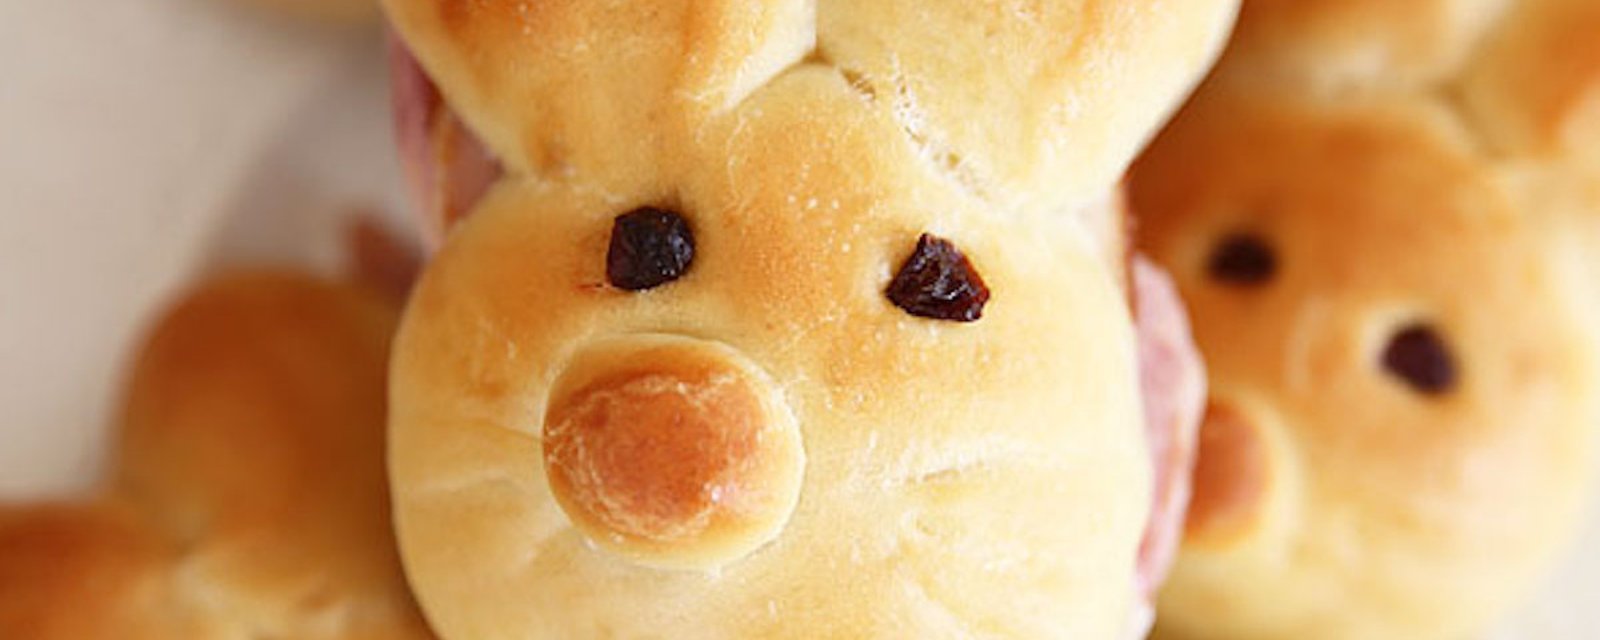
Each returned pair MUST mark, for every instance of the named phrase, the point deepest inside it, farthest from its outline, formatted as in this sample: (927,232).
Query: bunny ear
(1535,86)
(599,89)
(1031,105)
(278,365)
(1334,44)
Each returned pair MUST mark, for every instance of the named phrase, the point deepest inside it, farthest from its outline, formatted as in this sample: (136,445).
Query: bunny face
(898,474)
(786,319)
(1403,369)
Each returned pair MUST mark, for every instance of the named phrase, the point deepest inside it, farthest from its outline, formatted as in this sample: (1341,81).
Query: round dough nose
(672,452)
(1231,477)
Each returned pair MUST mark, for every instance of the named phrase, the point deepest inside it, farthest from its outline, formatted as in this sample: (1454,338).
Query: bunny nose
(1231,477)
(670,451)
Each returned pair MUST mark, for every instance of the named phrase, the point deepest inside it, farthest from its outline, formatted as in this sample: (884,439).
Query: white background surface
(143,141)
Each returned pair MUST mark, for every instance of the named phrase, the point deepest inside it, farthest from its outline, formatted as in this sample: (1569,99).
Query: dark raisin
(1419,357)
(938,282)
(649,248)
(1243,259)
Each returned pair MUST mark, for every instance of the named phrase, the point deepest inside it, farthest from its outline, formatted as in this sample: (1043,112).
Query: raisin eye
(649,248)
(938,282)
(1242,259)
(1419,357)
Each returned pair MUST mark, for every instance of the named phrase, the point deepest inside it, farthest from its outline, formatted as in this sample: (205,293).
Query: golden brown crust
(1230,478)
(671,451)
(636,451)
(248,495)
(1383,213)
(83,573)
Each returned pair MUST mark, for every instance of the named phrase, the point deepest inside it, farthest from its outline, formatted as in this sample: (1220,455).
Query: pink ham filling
(1173,382)
(448,170)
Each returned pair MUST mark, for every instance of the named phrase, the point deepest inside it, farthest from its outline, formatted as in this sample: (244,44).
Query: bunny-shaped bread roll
(1393,287)
(248,496)
(1403,368)
(786,320)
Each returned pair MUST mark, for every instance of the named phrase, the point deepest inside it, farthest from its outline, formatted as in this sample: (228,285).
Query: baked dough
(247,498)
(865,473)
(1037,106)
(1337,45)
(1534,87)
(1403,350)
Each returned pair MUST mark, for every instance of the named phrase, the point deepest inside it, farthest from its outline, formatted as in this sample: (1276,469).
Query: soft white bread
(1403,359)
(768,445)
(248,496)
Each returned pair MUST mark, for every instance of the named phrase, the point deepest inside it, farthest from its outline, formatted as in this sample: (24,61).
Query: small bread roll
(248,495)
(785,320)
(1404,366)
(1386,219)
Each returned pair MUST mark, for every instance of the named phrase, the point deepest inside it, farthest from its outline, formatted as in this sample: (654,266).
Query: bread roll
(878,379)
(248,496)
(1392,285)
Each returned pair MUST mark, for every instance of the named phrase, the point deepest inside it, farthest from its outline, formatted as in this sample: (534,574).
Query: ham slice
(446,168)
(1173,383)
